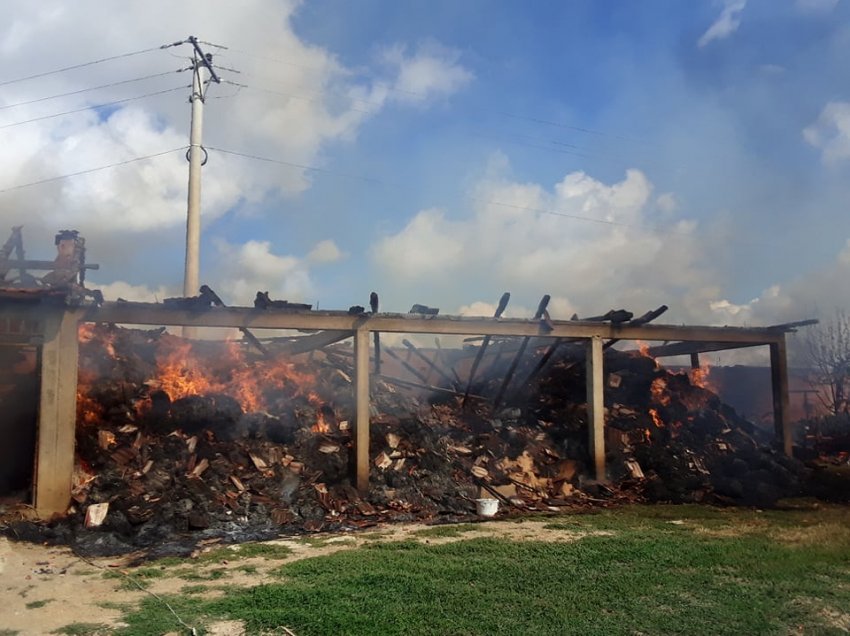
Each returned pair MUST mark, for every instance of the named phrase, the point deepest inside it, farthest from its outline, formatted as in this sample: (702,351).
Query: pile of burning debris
(211,439)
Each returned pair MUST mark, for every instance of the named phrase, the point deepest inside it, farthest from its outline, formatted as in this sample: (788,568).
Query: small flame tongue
(699,377)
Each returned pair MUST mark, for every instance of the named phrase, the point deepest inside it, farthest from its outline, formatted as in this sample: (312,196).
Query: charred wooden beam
(431,365)
(792,326)
(781,402)
(503,303)
(207,292)
(262,301)
(637,322)
(413,370)
(541,309)
(303,344)
(376,337)
(425,387)
(689,348)
(442,355)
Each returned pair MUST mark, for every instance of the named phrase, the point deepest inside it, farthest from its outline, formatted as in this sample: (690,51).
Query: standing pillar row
(57,414)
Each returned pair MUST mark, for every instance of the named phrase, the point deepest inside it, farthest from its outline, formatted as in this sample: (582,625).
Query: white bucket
(487,507)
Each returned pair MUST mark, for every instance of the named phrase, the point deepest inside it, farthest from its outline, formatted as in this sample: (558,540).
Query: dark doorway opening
(19,399)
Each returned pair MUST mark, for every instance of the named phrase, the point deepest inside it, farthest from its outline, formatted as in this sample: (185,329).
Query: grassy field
(640,570)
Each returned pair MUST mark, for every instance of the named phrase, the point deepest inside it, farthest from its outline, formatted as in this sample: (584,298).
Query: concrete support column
(779,383)
(57,414)
(361,384)
(596,405)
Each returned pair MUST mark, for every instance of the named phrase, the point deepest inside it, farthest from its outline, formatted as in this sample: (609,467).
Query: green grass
(633,571)
(447,530)
(37,604)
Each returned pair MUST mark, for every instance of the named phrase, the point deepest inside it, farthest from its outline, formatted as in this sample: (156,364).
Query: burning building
(148,434)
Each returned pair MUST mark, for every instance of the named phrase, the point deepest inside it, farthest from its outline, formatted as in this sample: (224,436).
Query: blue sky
(608,152)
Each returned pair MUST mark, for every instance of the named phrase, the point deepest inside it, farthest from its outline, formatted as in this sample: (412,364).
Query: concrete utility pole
(197,158)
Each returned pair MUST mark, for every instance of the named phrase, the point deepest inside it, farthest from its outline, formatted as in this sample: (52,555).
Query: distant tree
(828,347)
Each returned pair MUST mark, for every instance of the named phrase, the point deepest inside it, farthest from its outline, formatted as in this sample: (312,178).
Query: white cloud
(431,71)
(426,246)
(667,202)
(251,267)
(599,246)
(831,132)
(325,252)
(136,293)
(816,6)
(726,24)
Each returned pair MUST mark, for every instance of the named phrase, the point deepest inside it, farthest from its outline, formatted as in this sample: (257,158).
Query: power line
(92,63)
(315,100)
(558,213)
(536,120)
(89,171)
(87,90)
(300,166)
(94,106)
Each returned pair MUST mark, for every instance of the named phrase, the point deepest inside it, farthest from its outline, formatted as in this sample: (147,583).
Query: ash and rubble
(235,446)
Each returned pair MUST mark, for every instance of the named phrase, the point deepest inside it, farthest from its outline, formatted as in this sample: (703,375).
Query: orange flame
(183,372)
(699,377)
(659,392)
(321,425)
(656,419)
